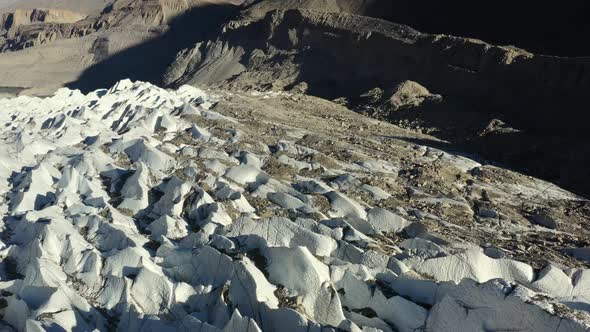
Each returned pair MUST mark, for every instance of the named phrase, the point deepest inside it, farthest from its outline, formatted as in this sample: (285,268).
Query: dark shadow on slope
(550,140)
(554,159)
(550,149)
(147,61)
(547,155)
(541,26)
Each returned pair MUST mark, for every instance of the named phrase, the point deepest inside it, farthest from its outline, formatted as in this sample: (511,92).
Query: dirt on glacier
(342,135)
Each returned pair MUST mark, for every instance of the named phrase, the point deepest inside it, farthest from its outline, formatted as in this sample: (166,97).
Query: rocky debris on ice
(137,208)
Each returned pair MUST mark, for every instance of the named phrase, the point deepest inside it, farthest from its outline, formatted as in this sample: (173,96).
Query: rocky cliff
(32,16)
(371,8)
(30,27)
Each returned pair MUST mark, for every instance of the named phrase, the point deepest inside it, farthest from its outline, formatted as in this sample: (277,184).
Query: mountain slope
(83,6)
(541,100)
(339,55)
(371,8)
(60,53)
(491,96)
(325,170)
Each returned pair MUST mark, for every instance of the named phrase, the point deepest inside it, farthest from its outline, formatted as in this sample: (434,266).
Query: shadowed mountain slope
(338,55)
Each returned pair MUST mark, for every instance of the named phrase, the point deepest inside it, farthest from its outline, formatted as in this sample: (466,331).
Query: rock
(409,94)
(373,96)
(486,210)
(545,219)
(582,254)
(300,88)
(221,243)
(494,252)
(496,126)
(416,229)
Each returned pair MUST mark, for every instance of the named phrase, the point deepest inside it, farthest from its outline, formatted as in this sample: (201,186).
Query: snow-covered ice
(129,209)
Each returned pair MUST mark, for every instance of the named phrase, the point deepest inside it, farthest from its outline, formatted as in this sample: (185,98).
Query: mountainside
(29,27)
(513,107)
(140,209)
(40,58)
(371,8)
(540,99)
(87,7)
(22,17)
(547,27)
(317,47)
(542,27)
(32,27)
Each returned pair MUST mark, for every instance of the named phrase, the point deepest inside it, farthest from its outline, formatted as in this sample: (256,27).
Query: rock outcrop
(22,17)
